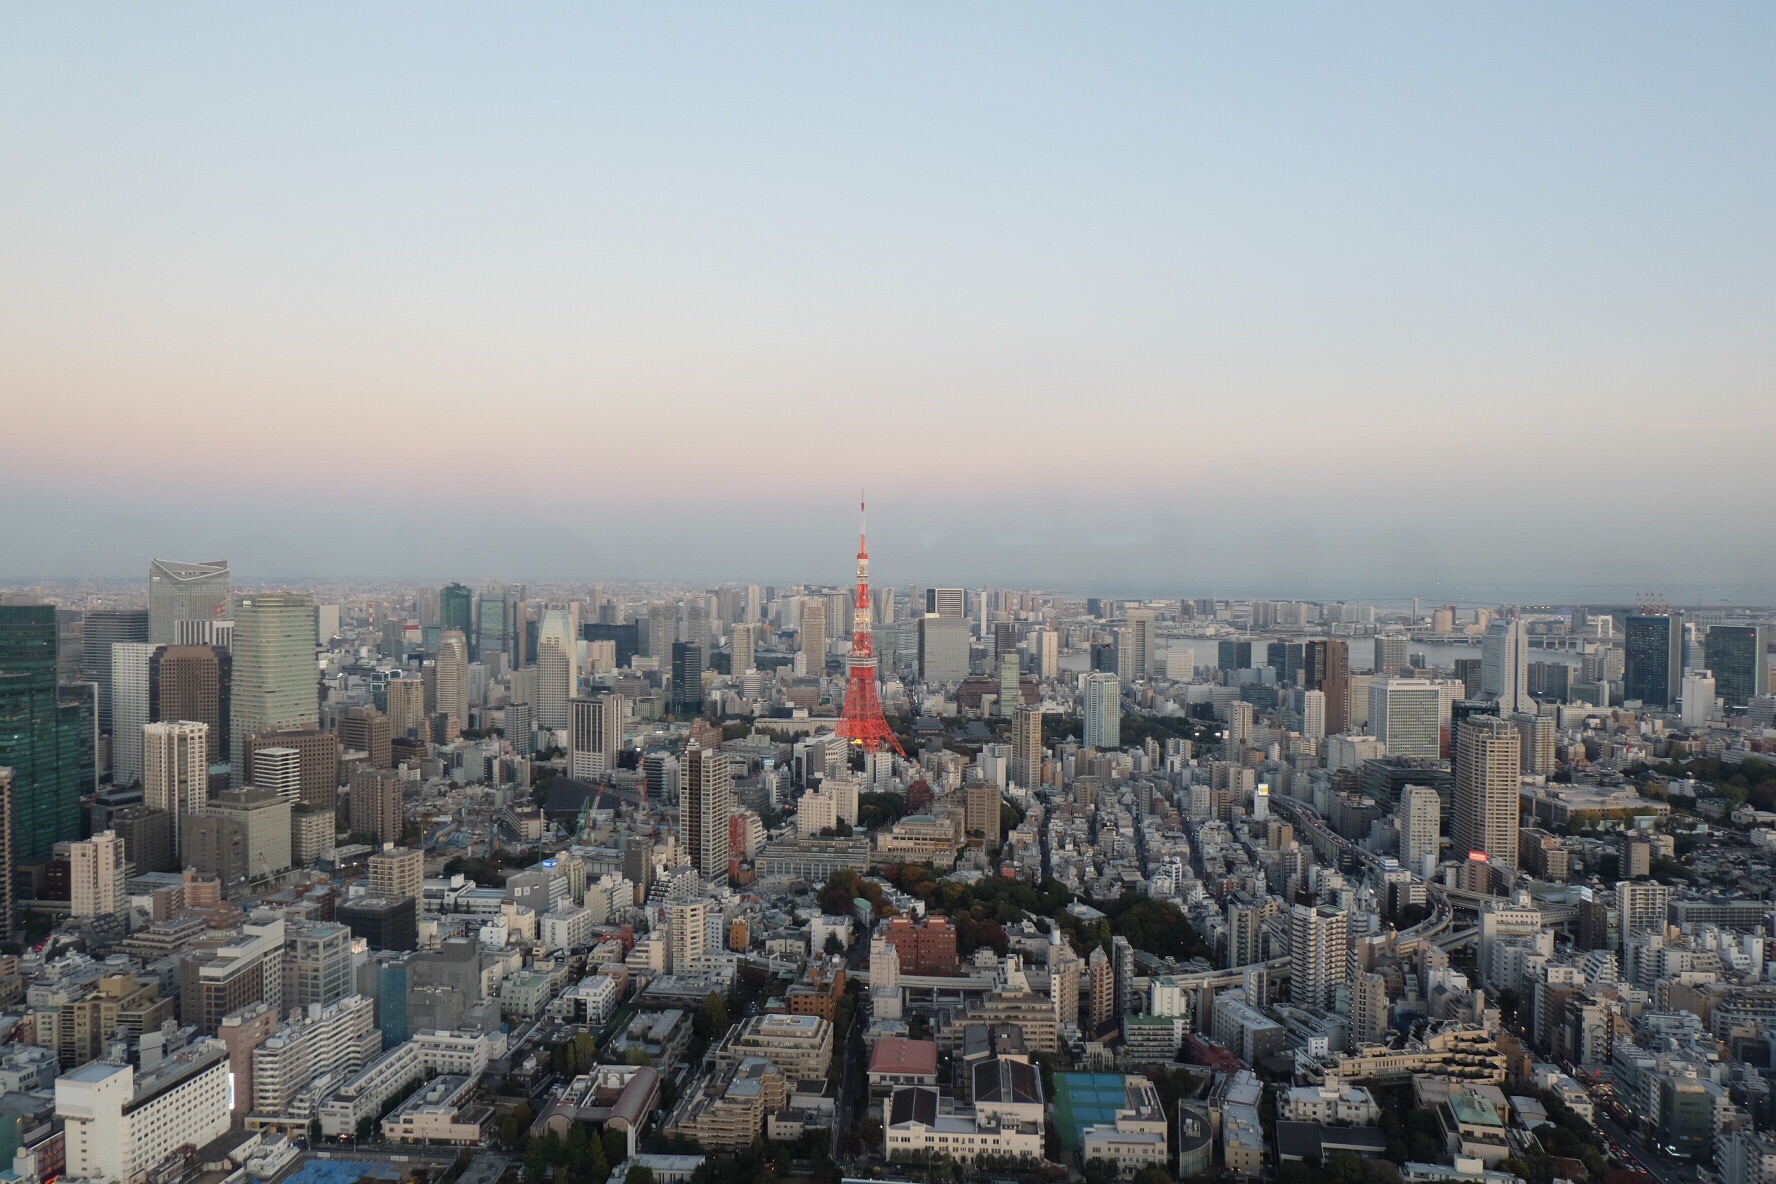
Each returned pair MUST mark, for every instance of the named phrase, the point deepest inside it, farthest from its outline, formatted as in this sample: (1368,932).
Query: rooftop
(899,1055)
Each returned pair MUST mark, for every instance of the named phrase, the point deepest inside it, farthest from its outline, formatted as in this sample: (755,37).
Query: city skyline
(1372,300)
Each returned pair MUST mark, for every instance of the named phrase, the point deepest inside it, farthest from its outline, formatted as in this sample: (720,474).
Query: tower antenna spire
(861,721)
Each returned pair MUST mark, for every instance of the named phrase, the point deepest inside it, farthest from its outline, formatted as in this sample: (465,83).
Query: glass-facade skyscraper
(1739,656)
(456,610)
(41,737)
(687,677)
(1652,668)
(275,681)
(185,592)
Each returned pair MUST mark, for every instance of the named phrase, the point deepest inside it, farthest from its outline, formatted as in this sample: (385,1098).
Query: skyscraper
(740,642)
(1134,646)
(1048,653)
(662,630)
(406,705)
(1652,670)
(813,635)
(1327,670)
(1488,762)
(1419,819)
(1504,665)
(367,730)
(1319,953)
(946,602)
(557,646)
(8,811)
(687,677)
(187,592)
(456,610)
(275,677)
(131,708)
(708,800)
(1698,698)
(496,623)
(1026,746)
(193,682)
(1390,653)
(175,772)
(1739,656)
(1011,692)
(40,736)
(1103,711)
(1406,715)
(594,732)
(96,872)
(279,771)
(1313,714)
(453,676)
(104,628)
(943,648)
(1101,983)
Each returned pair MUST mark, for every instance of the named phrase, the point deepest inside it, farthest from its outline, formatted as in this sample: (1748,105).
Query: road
(847,1107)
(1665,1171)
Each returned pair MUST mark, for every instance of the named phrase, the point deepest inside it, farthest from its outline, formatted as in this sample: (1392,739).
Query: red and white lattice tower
(861,722)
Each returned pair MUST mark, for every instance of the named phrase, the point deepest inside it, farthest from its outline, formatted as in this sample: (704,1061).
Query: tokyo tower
(861,722)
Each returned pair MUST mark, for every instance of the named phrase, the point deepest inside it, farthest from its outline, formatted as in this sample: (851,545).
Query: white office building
(176,772)
(1405,714)
(119,1125)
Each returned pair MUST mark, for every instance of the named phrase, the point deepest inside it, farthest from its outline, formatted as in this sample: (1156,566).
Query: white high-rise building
(96,871)
(1313,715)
(594,733)
(1419,819)
(453,677)
(1698,698)
(1134,646)
(1103,710)
(130,700)
(1504,665)
(755,604)
(1319,953)
(687,925)
(117,1125)
(176,772)
(556,649)
(1406,715)
(708,796)
(276,680)
(184,592)
(280,771)
(1048,653)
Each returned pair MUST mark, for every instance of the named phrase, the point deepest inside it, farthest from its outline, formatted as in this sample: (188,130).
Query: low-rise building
(896,1061)
(1334,1102)
(923,1125)
(798,1046)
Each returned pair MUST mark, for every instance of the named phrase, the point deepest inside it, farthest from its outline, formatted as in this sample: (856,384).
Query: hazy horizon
(1139,300)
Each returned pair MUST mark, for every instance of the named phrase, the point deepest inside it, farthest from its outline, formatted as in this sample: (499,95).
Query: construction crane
(584,835)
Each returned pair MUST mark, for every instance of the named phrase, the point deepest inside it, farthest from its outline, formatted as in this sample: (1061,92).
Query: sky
(1147,298)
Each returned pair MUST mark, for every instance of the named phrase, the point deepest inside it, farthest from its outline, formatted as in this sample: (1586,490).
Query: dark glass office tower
(456,610)
(687,677)
(40,734)
(1739,655)
(1326,668)
(1652,669)
(104,628)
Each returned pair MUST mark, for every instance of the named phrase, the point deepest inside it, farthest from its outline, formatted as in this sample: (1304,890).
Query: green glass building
(456,610)
(40,734)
